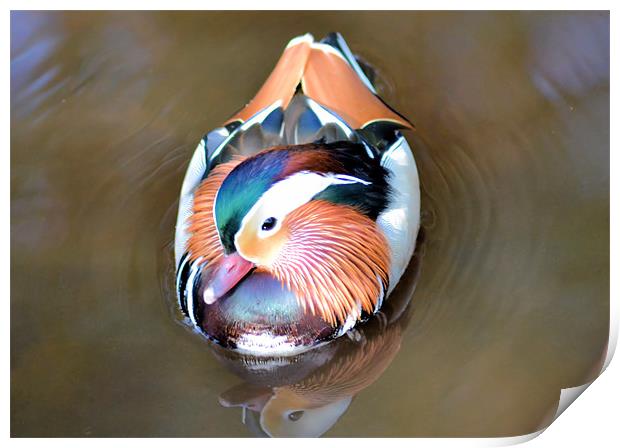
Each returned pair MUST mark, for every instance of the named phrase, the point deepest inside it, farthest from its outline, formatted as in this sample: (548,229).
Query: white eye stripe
(346,179)
(296,190)
(288,194)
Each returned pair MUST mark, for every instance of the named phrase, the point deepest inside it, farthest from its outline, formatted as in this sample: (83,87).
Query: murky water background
(512,144)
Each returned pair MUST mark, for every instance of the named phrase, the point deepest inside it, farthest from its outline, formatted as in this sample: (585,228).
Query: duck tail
(283,81)
(328,73)
(336,41)
(334,78)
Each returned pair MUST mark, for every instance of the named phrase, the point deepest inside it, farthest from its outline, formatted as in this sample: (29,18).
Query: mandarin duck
(298,216)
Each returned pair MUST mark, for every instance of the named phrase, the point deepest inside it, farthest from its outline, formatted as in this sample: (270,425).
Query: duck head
(305,215)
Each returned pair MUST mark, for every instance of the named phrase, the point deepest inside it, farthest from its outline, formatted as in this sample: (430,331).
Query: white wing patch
(190,290)
(401,220)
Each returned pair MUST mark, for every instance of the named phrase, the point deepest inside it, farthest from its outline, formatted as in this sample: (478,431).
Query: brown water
(512,145)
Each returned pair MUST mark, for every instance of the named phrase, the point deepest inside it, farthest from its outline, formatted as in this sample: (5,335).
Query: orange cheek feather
(335,259)
(204,240)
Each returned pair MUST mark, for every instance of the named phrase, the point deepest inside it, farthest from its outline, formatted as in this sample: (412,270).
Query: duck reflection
(305,395)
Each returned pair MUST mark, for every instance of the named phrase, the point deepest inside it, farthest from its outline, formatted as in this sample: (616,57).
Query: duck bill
(224,276)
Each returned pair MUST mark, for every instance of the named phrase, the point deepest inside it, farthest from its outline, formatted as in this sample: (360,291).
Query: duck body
(298,217)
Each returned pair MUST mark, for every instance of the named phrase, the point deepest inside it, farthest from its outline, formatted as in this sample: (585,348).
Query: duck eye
(269,224)
(295,415)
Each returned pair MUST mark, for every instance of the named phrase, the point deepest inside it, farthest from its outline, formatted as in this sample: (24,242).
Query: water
(511,299)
